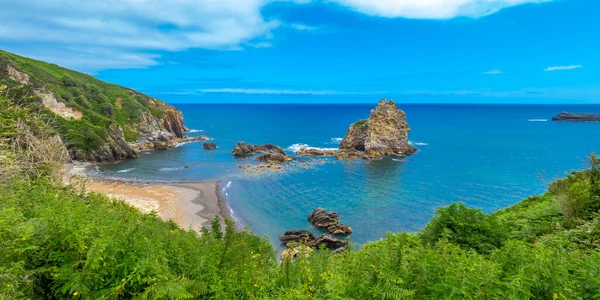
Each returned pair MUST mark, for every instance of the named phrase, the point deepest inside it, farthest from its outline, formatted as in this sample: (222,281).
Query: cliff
(385,132)
(99,121)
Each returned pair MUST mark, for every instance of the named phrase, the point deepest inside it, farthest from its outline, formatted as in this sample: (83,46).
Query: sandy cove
(191,205)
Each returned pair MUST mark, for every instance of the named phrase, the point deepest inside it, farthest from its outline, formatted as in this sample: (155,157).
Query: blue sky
(465,51)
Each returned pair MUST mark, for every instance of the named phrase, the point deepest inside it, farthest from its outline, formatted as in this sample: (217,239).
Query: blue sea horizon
(488,156)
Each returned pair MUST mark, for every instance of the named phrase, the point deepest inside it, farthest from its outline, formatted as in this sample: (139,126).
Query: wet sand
(192,205)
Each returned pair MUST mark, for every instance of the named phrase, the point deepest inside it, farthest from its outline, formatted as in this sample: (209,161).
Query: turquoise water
(488,156)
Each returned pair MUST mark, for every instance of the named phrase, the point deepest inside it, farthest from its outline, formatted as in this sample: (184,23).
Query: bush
(467,227)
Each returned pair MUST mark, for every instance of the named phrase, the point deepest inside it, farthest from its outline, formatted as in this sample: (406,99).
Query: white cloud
(431,9)
(302,27)
(493,72)
(132,30)
(562,68)
(130,27)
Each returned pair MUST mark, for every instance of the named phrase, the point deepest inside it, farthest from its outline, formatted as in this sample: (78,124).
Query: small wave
(297,147)
(538,120)
(396,159)
(417,143)
(170,169)
(182,144)
(125,170)
(336,140)
(195,130)
(224,190)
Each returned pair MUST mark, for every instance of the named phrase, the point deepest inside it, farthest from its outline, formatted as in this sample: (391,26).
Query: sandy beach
(191,205)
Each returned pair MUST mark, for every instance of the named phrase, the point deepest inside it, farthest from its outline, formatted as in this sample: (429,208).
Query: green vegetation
(361,124)
(101,103)
(57,241)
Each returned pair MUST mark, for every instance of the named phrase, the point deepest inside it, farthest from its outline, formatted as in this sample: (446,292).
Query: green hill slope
(98,121)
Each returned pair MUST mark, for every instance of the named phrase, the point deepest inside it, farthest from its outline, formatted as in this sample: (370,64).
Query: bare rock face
(385,132)
(209,146)
(571,117)
(321,218)
(17,75)
(339,229)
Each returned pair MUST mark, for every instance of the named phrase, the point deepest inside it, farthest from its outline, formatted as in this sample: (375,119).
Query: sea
(487,156)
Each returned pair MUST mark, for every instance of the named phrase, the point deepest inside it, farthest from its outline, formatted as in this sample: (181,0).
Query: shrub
(467,227)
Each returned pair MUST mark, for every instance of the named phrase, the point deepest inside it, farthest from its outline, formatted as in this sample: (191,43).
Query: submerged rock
(570,117)
(385,132)
(209,146)
(321,218)
(339,229)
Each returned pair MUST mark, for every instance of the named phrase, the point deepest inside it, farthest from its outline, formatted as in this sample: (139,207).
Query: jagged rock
(328,241)
(385,132)
(297,236)
(209,146)
(570,117)
(274,155)
(315,152)
(242,149)
(202,137)
(339,229)
(160,146)
(321,218)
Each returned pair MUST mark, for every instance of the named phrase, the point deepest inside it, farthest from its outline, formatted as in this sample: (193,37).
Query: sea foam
(125,170)
(417,143)
(538,120)
(195,130)
(297,147)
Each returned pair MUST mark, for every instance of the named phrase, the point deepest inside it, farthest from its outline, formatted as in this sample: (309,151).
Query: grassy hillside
(101,103)
(59,242)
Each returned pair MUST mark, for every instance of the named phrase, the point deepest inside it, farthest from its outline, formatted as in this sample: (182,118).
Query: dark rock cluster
(570,117)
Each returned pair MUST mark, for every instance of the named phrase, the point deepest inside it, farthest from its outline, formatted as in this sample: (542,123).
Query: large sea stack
(385,132)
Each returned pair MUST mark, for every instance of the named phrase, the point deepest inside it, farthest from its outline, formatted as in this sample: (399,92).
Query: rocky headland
(571,117)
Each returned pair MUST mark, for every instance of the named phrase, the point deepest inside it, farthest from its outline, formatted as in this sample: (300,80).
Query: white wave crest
(297,147)
(182,144)
(336,140)
(170,169)
(227,186)
(417,143)
(538,120)
(125,170)
(195,130)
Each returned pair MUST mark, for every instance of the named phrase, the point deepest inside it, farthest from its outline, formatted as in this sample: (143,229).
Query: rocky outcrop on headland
(571,117)
(385,132)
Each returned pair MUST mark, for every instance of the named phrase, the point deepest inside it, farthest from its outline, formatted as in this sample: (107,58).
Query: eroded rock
(385,132)
(209,146)
(297,236)
(571,117)
(328,242)
(339,229)
(315,152)
(321,218)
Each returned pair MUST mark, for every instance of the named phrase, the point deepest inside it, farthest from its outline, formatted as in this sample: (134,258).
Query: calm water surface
(488,156)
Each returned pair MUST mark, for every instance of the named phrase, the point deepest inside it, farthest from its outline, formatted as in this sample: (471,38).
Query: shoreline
(191,205)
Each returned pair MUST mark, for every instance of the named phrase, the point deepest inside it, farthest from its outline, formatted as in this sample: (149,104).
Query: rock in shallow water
(321,218)
(297,236)
(329,242)
(385,132)
(339,229)
(209,146)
